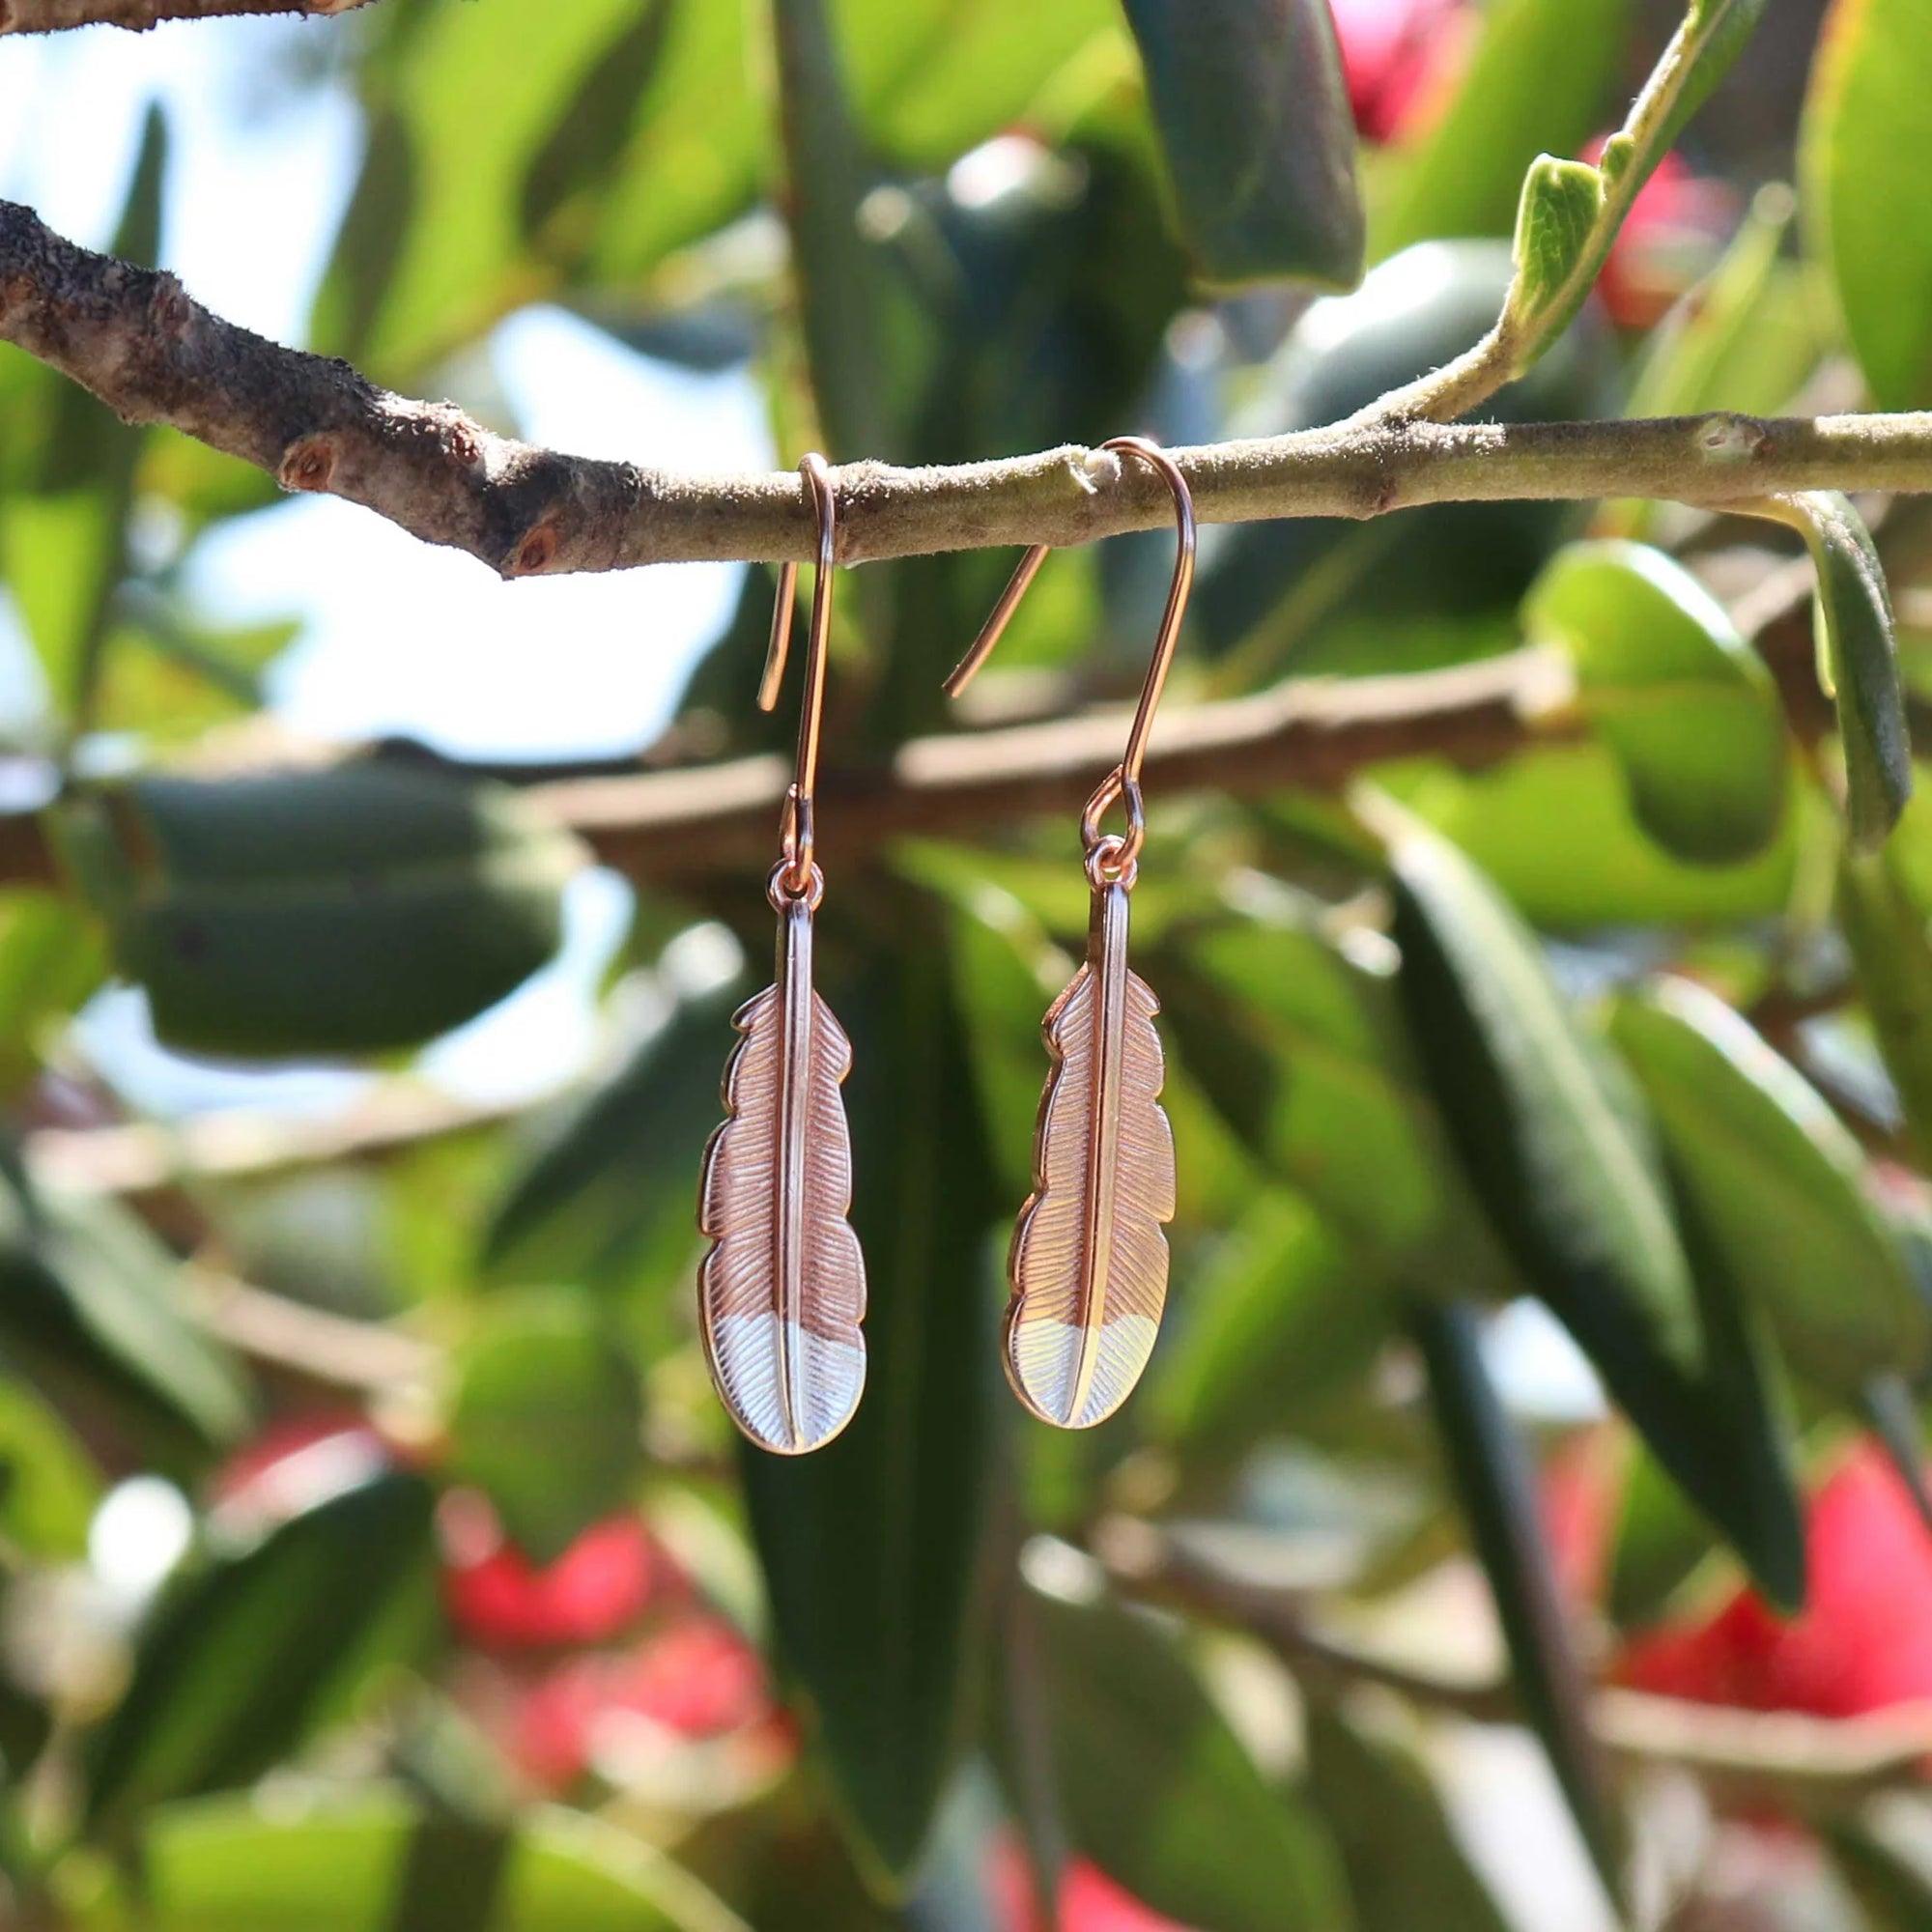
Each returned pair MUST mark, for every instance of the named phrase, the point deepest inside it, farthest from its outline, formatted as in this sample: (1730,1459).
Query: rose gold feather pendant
(782,1290)
(1088,1260)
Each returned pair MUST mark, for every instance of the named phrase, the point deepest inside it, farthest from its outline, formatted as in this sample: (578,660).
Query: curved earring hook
(796,875)
(1111,857)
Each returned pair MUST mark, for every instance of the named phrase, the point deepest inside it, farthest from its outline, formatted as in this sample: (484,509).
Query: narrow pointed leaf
(1156,1788)
(1405,1866)
(1684,704)
(1497,1487)
(869,1546)
(1780,1182)
(1254,115)
(1887,937)
(1556,1142)
(1857,643)
(1888,1407)
(1867,116)
(304,1605)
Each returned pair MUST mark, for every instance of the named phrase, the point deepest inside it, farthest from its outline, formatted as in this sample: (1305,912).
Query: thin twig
(135,338)
(52,17)
(310,1344)
(1803,1762)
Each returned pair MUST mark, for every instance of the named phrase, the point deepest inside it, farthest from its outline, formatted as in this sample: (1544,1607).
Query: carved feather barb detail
(782,1290)
(1088,1261)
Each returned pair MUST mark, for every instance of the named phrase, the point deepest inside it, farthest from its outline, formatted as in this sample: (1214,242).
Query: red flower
(698,1678)
(499,1599)
(1864,1640)
(1668,241)
(1089,1901)
(1398,56)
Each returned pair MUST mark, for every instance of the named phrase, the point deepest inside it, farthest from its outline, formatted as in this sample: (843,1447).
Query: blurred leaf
(1254,114)
(334,911)
(1553,828)
(48,1484)
(546,1420)
(870,1546)
(1496,1484)
(1404,1867)
(244,1657)
(1780,1182)
(1684,704)
(1155,1788)
(370,241)
(65,549)
(89,1311)
(1884,1852)
(840,274)
(613,1186)
(1886,933)
(1541,75)
(1745,338)
(230,1864)
(1659,1542)
(1857,658)
(1558,1147)
(1329,592)
(1280,1327)
(1868,113)
(1888,1407)
(51,959)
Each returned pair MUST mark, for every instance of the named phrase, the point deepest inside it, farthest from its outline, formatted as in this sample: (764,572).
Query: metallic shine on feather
(782,1290)
(1088,1260)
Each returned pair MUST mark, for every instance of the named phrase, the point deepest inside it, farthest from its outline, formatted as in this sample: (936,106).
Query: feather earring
(1088,1261)
(782,1290)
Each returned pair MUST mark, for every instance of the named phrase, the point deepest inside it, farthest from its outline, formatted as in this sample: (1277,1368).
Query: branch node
(308,464)
(170,307)
(1093,468)
(537,551)
(1731,439)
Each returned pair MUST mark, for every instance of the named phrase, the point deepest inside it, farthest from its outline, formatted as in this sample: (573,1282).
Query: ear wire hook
(1111,855)
(796,877)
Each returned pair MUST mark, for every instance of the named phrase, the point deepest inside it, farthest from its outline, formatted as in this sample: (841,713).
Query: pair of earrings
(782,1290)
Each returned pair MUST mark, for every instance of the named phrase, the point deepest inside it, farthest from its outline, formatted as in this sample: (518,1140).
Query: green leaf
(1660,1542)
(1536,84)
(1254,115)
(242,1658)
(1867,116)
(1497,1487)
(1780,1182)
(1858,654)
(1561,240)
(1562,202)
(1553,828)
(1684,704)
(231,1864)
(1279,1327)
(48,1483)
(608,1195)
(52,957)
(870,1546)
(1156,1788)
(1884,1852)
(1886,936)
(546,1420)
(335,911)
(89,1311)
(1745,338)
(1557,1144)
(1404,1867)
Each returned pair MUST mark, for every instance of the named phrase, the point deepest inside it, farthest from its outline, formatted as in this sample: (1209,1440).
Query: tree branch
(52,17)
(136,339)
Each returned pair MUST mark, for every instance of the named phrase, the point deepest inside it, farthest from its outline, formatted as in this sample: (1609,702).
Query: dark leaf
(1254,114)
(337,911)
(245,1656)
(1154,1787)
(869,1545)
(1498,1485)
